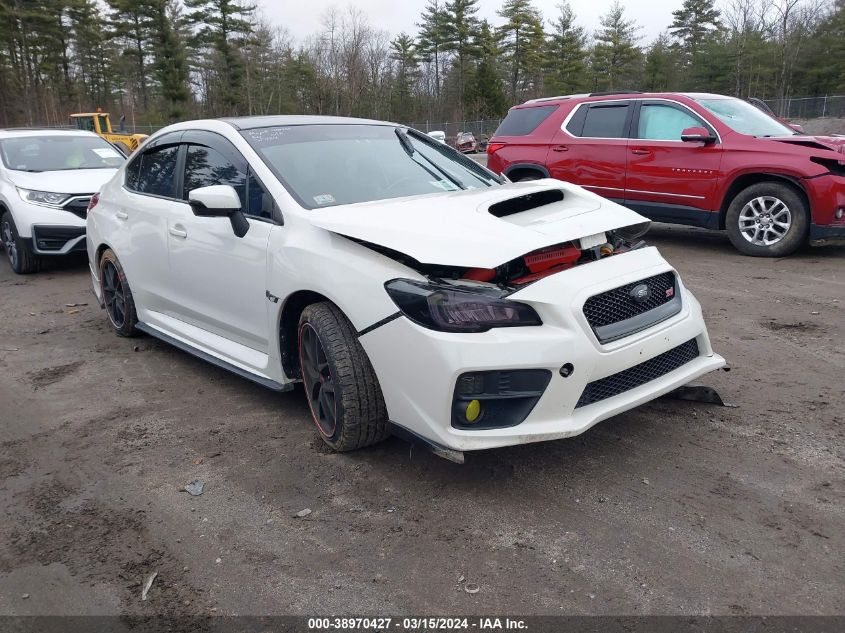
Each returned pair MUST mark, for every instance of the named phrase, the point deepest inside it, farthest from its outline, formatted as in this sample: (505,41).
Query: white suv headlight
(44,198)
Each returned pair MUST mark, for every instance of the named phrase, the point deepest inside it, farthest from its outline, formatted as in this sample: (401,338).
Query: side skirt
(261,380)
(674,213)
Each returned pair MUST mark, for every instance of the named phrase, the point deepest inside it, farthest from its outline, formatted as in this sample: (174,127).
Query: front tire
(117,296)
(21,258)
(343,392)
(768,219)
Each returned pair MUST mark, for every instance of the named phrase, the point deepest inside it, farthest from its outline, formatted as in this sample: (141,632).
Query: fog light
(840,212)
(473,411)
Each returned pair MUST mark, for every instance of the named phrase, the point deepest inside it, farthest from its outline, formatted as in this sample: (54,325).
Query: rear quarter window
(523,121)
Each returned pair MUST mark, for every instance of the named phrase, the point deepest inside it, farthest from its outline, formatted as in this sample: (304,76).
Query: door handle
(560,148)
(178,231)
(639,151)
(121,215)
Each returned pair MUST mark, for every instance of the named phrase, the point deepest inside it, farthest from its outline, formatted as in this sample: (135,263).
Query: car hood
(833,143)
(458,229)
(73,181)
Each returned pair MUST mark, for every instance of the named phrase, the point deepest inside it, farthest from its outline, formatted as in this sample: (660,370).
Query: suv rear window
(523,121)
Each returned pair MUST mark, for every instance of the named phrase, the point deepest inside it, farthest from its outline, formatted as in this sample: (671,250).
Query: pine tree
(522,40)
(565,54)
(691,25)
(616,54)
(405,56)
(461,27)
(485,92)
(432,41)
(128,24)
(170,65)
(224,25)
(661,62)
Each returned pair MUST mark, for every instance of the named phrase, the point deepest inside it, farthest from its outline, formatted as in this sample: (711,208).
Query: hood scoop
(526,202)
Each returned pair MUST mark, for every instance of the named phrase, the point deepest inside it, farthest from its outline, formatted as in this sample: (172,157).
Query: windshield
(744,118)
(330,165)
(58,153)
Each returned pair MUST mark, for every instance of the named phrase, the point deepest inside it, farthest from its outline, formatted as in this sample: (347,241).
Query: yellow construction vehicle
(100,123)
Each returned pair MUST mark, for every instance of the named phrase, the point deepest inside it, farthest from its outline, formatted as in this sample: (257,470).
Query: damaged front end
(518,272)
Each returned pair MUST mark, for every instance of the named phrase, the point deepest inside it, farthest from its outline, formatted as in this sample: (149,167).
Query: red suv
(698,159)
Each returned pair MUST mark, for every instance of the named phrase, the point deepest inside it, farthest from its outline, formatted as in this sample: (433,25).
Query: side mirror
(219,201)
(796,127)
(697,135)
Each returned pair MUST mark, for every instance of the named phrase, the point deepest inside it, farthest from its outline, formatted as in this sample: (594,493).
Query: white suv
(409,289)
(47,178)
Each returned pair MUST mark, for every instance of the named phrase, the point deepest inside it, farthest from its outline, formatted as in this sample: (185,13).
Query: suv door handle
(560,148)
(639,151)
(121,215)
(178,231)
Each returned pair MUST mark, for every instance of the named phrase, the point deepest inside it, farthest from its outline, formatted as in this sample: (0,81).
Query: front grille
(78,206)
(617,313)
(637,375)
(616,305)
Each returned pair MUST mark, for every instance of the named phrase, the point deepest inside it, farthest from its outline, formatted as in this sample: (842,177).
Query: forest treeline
(156,61)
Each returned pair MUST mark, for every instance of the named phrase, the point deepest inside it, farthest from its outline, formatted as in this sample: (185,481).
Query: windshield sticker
(324,198)
(445,185)
(106,152)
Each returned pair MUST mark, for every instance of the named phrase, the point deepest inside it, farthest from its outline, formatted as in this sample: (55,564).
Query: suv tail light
(492,148)
(93,202)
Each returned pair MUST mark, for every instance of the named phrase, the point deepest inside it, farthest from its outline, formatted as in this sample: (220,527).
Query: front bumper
(418,381)
(827,234)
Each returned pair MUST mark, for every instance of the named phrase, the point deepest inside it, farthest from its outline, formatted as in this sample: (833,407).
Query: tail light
(93,201)
(492,148)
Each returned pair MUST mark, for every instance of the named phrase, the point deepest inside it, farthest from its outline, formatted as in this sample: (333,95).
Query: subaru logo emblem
(640,293)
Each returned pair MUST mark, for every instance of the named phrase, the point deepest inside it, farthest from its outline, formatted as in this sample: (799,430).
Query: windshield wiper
(409,148)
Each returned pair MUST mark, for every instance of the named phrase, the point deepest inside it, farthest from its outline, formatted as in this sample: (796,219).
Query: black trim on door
(675,213)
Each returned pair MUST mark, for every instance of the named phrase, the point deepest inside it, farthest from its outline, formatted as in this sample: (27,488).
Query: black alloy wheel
(318,380)
(114,294)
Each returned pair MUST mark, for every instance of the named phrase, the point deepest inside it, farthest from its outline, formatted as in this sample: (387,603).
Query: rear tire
(117,296)
(343,392)
(21,258)
(768,219)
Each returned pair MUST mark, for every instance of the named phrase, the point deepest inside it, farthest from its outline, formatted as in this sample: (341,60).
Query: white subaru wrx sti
(408,288)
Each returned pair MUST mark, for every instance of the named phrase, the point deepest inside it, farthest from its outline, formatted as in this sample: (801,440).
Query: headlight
(44,198)
(449,309)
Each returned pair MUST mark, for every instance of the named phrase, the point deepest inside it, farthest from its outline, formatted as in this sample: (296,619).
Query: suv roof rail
(608,93)
(558,98)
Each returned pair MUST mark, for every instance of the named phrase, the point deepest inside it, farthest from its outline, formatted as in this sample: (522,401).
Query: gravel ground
(673,508)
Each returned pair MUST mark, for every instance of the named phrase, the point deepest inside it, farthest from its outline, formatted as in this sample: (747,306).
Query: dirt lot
(672,508)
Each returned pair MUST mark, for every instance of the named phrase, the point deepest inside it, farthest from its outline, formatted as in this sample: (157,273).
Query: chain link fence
(482,129)
(809,107)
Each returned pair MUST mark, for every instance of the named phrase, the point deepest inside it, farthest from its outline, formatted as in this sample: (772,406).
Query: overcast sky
(302,18)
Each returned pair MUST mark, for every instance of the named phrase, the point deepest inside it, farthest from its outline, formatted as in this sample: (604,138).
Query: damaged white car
(409,289)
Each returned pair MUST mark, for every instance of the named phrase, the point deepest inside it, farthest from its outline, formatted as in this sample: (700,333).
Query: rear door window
(606,120)
(157,172)
(522,121)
